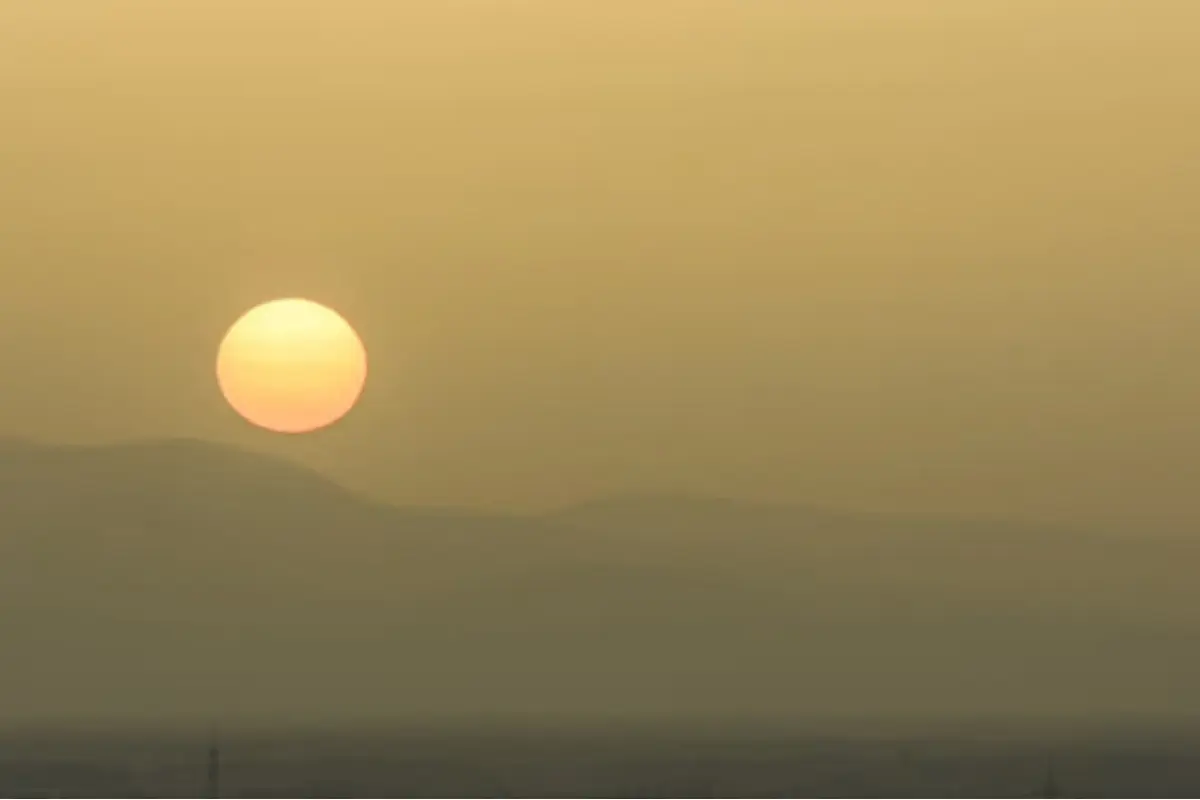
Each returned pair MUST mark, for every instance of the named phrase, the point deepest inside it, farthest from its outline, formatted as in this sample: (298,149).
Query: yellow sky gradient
(874,253)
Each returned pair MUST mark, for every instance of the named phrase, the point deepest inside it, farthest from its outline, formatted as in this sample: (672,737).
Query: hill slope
(167,579)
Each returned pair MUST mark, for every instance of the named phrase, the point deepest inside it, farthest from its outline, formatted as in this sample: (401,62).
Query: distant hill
(180,579)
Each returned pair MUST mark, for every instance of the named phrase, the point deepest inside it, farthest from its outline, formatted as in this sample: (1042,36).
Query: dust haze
(894,255)
(749,362)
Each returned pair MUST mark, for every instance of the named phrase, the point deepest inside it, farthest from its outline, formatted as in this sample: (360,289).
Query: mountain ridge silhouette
(177,577)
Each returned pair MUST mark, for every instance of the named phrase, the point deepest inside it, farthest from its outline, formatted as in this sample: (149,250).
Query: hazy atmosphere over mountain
(161,581)
(599,398)
(911,255)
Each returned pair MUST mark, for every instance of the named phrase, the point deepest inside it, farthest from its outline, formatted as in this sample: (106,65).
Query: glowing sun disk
(291,366)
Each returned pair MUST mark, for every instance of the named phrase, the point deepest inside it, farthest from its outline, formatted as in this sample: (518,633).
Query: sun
(292,366)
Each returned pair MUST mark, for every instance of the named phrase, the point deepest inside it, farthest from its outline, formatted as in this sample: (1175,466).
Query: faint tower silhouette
(214,766)
(1050,788)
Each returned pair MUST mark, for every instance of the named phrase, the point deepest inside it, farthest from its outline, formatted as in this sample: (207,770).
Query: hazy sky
(926,254)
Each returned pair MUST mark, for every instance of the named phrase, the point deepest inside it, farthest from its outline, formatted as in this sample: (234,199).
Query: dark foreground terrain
(182,580)
(962,763)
